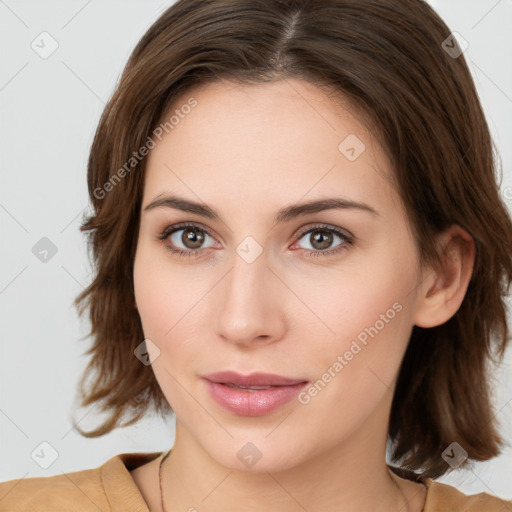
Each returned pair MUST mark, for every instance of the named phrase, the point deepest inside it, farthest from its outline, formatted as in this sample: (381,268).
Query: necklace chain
(160,480)
(169,452)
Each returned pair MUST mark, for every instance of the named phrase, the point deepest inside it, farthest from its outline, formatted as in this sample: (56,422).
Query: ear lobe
(443,291)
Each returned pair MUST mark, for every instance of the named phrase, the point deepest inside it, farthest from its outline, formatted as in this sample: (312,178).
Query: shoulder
(82,488)
(443,497)
(102,488)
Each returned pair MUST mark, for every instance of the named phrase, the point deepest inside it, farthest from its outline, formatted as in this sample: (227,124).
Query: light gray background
(49,111)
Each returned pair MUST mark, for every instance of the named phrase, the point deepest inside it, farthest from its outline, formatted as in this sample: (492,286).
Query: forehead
(280,141)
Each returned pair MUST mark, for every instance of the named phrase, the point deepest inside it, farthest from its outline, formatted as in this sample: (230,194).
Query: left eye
(321,238)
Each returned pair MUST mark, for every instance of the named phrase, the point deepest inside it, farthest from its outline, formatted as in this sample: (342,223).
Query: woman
(295,230)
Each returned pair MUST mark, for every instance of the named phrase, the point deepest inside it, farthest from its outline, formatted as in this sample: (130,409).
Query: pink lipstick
(256,394)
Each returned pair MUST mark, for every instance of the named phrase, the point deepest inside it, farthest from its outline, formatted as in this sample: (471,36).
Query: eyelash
(190,253)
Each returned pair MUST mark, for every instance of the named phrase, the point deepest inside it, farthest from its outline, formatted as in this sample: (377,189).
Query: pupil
(192,238)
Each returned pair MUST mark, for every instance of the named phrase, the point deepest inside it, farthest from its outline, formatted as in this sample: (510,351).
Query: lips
(256,394)
(252,381)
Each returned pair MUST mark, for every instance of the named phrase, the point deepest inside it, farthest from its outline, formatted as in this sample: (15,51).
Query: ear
(442,291)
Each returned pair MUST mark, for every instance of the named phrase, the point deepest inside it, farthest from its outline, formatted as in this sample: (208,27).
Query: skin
(248,151)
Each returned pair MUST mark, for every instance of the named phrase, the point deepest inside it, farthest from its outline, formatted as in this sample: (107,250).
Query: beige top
(111,488)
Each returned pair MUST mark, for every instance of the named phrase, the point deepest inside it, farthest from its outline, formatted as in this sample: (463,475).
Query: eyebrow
(285,214)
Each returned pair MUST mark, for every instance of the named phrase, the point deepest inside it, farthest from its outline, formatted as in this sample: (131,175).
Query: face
(323,295)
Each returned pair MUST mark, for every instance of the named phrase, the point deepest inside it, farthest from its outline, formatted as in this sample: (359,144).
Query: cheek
(163,315)
(153,294)
(148,297)
(356,368)
(169,301)
(369,315)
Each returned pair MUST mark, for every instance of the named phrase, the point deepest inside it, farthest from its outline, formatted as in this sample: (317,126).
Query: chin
(257,456)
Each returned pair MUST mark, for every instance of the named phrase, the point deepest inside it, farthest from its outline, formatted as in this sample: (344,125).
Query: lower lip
(252,403)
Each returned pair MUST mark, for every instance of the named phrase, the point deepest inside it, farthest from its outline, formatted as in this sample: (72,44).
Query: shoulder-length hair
(398,64)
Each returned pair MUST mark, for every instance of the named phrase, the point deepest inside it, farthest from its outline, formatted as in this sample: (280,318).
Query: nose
(251,304)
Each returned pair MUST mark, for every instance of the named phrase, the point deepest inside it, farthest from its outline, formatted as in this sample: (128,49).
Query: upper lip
(253,379)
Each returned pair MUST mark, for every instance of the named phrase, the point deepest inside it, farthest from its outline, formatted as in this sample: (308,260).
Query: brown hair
(386,57)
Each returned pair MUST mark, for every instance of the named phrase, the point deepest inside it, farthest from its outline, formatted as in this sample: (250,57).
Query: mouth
(252,395)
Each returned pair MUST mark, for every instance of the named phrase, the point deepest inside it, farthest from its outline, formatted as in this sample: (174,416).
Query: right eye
(185,239)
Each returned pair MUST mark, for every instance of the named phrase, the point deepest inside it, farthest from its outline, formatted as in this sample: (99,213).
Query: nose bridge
(249,303)
(247,283)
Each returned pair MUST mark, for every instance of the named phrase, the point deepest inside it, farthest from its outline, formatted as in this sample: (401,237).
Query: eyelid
(343,232)
(171,228)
